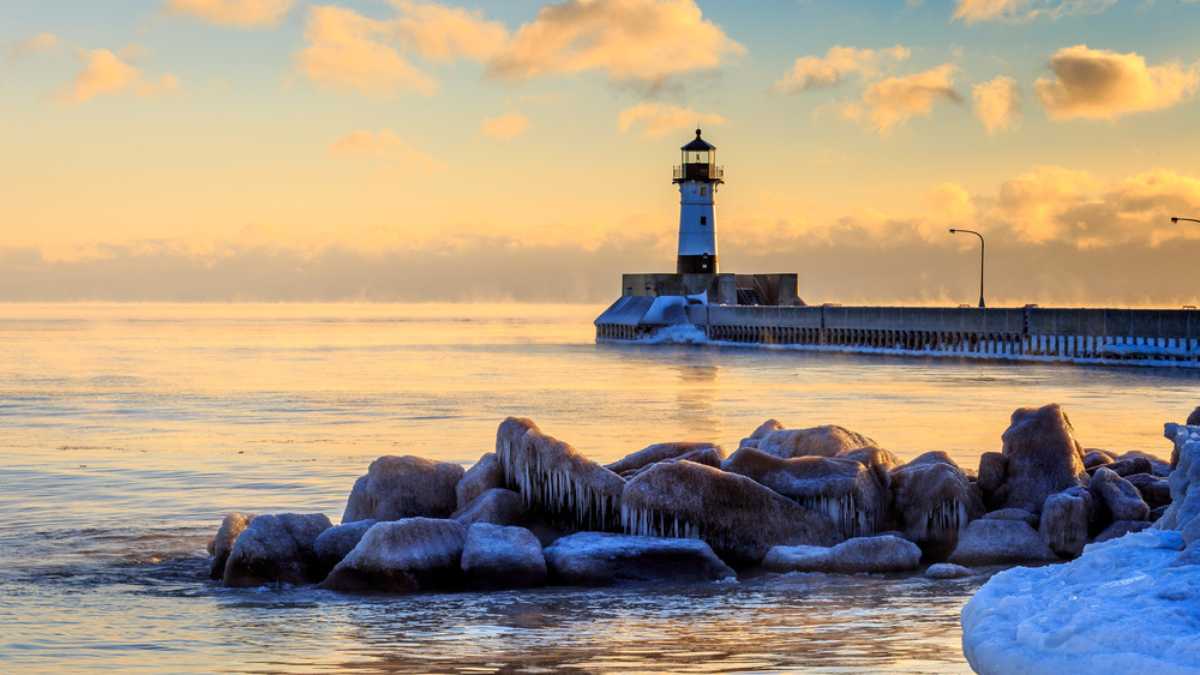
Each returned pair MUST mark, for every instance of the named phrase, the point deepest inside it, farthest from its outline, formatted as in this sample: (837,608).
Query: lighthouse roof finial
(698,144)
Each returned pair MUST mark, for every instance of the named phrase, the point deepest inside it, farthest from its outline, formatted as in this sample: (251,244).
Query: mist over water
(127,430)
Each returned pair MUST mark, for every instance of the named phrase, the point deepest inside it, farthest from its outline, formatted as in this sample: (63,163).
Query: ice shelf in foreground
(1129,605)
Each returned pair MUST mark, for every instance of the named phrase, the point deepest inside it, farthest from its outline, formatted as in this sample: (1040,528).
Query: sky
(521,150)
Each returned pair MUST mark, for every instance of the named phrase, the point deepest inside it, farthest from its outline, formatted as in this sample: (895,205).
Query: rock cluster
(822,499)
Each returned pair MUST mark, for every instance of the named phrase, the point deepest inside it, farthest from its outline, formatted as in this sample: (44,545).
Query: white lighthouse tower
(698,177)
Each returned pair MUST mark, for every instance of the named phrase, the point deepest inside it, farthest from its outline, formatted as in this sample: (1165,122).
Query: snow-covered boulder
(219,547)
(740,518)
(496,506)
(556,480)
(1185,479)
(599,558)
(660,452)
(885,553)
(403,487)
(1000,542)
(823,441)
(849,492)
(485,475)
(276,548)
(1118,608)
(403,556)
(948,571)
(932,501)
(1042,456)
(496,556)
(1121,498)
(757,435)
(336,543)
(1064,523)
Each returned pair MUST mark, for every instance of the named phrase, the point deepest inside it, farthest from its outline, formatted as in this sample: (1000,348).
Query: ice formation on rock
(403,556)
(1042,456)
(598,558)
(231,526)
(1121,498)
(932,501)
(1000,542)
(823,441)
(884,553)
(402,487)
(485,475)
(496,556)
(660,452)
(336,543)
(276,548)
(497,506)
(556,480)
(759,433)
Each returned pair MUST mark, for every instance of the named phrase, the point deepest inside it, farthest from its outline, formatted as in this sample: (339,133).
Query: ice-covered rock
(823,441)
(1000,542)
(757,435)
(555,480)
(336,543)
(1121,498)
(1185,479)
(1155,491)
(1158,466)
(659,452)
(1095,457)
(496,556)
(1043,456)
(885,553)
(1193,419)
(740,518)
(880,461)
(402,487)
(1064,523)
(485,475)
(403,556)
(1118,608)
(1013,514)
(849,492)
(1121,528)
(497,506)
(276,548)
(1129,466)
(993,471)
(948,571)
(219,547)
(600,558)
(932,501)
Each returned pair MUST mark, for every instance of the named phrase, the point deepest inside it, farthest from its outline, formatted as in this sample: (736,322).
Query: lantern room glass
(699,157)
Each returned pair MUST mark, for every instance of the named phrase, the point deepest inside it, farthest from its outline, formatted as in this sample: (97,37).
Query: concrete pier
(1102,336)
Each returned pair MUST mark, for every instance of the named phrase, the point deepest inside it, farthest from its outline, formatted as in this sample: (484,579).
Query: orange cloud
(659,119)
(813,72)
(997,103)
(893,101)
(446,33)
(646,41)
(238,13)
(347,50)
(975,11)
(505,127)
(42,42)
(104,73)
(1102,84)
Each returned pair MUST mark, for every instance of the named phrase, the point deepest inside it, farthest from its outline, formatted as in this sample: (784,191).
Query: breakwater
(1101,336)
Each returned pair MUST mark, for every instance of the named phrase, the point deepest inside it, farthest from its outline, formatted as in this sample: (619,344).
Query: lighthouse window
(703,220)
(703,191)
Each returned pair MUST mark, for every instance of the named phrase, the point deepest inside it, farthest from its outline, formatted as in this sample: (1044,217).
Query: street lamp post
(982,250)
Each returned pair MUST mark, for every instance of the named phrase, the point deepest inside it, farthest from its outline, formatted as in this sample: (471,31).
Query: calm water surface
(127,430)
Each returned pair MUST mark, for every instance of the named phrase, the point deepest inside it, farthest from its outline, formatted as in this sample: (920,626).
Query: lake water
(126,431)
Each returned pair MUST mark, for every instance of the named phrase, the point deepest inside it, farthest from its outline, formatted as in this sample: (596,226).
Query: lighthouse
(698,177)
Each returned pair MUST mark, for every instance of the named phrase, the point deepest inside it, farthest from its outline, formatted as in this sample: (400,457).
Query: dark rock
(231,526)
(401,487)
(1000,542)
(932,501)
(884,553)
(1120,497)
(1121,528)
(1158,466)
(1065,522)
(1155,491)
(277,548)
(496,506)
(1043,456)
(600,559)
(993,469)
(823,441)
(1014,514)
(1095,458)
(403,556)
(1193,420)
(485,475)
(1130,466)
(336,543)
(1157,513)
(495,556)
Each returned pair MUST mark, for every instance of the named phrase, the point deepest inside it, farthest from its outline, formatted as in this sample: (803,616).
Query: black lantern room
(699,162)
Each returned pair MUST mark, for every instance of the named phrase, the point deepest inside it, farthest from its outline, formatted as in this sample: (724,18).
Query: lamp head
(953,231)
(1174,220)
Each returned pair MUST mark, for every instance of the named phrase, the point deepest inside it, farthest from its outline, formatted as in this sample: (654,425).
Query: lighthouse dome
(698,144)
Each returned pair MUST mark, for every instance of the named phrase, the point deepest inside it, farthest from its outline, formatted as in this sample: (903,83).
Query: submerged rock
(402,487)
(1000,542)
(403,556)
(823,441)
(485,475)
(846,490)
(1123,500)
(554,479)
(948,571)
(885,553)
(933,501)
(1043,456)
(495,556)
(660,452)
(1065,522)
(737,516)
(276,548)
(496,506)
(336,543)
(231,526)
(599,559)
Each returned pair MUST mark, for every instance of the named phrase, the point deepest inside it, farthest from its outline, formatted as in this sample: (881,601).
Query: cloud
(975,11)
(505,127)
(36,44)
(347,50)
(383,145)
(997,103)
(1102,84)
(813,72)
(641,41)
(659,119)
(1034,203)
(237,13)
(105,73)
(444,34)
(893,101)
